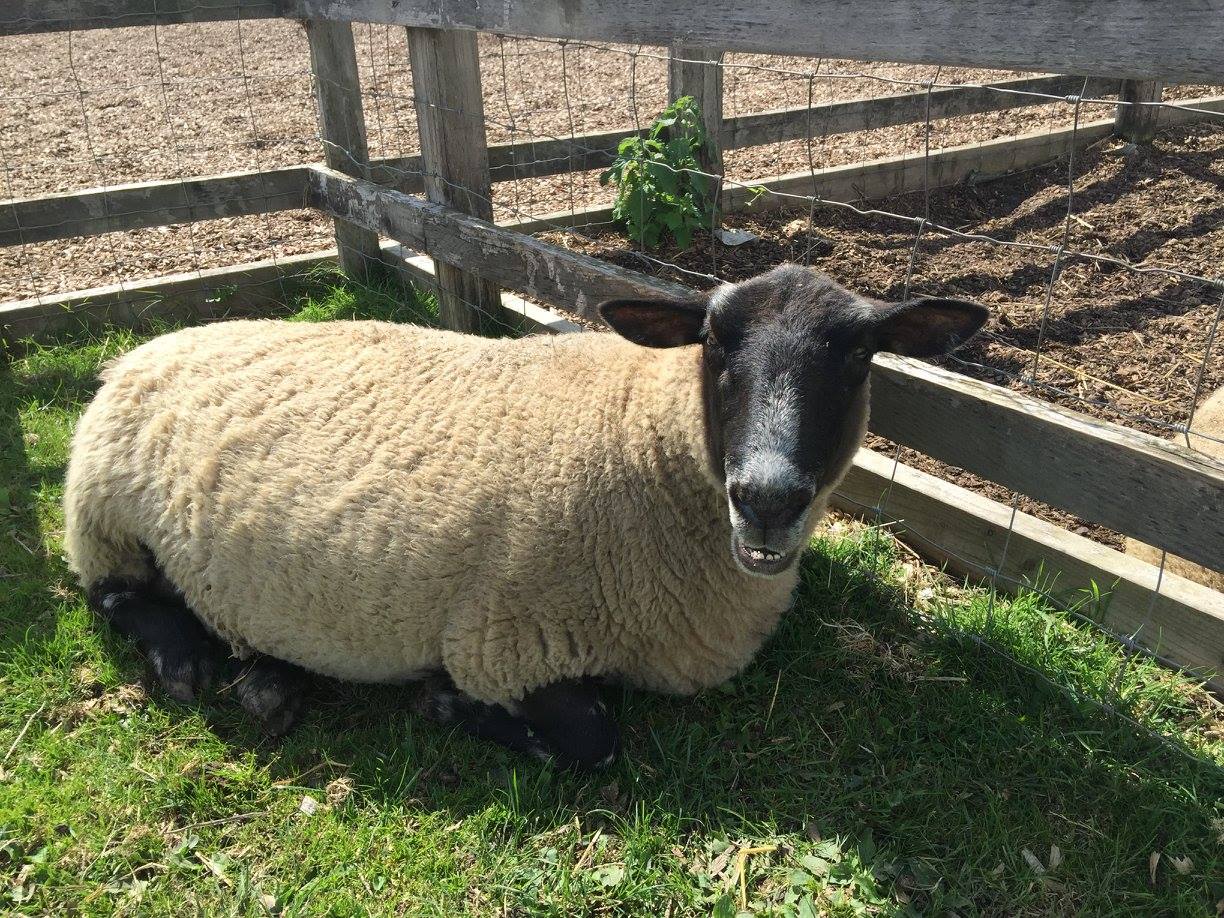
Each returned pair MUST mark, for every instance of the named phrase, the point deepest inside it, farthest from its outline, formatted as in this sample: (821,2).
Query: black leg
(272,691)
(184,655)
(565,721)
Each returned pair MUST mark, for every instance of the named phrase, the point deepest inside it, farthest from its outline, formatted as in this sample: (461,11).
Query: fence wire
(553,112)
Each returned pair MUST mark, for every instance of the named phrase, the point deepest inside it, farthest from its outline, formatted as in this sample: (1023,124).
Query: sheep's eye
(861,353)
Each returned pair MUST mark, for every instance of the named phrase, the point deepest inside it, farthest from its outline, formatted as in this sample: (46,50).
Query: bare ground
(135,104)
(1118,344)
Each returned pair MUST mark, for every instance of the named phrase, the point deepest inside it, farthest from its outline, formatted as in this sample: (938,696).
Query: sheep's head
(786,358)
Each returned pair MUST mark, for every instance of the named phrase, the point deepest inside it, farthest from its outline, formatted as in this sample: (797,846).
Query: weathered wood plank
(519,313)
(18,17)
(144,204)
(454,156)
(892,175)
(1119,38)
(1135,121)
(333,63)
(1183,623)
(903,108)
(696,71)
(1122,479)
(1156,491)
(532,267)
(159,203)
(254,288)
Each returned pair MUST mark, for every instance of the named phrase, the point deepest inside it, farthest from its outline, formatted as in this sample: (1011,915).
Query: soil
(121,105)
(1119,345)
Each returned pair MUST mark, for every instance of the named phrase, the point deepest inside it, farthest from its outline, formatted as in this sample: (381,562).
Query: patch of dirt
(110,106)
(1117,344)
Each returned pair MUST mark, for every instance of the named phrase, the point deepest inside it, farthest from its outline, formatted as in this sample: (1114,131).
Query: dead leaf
(309,805)
(1055,857)
(338,791)
(1031,859)
(719,864)
(811,830)
(1152,862)
(1182,865)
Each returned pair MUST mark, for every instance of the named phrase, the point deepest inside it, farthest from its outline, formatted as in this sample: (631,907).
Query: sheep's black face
(787,356)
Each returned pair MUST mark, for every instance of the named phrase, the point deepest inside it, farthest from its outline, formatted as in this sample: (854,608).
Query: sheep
(1208,422)
(512,521)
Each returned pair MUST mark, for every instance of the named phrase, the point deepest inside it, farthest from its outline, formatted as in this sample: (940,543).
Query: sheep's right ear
(656,323)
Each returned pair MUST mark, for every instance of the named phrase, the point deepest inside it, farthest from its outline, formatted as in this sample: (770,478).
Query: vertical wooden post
(333,61)
(1137,123)
(455,156)
(696,71)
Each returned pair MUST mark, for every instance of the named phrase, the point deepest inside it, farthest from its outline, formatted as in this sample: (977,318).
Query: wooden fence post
(454,156)
(333,62)
(1137,123)
(696,71)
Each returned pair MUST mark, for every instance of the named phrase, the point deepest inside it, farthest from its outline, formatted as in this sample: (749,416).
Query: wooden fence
(1173,496)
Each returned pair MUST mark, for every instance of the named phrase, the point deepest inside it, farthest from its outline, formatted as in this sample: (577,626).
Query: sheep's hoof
(273,692)
(440,701)
(183,671)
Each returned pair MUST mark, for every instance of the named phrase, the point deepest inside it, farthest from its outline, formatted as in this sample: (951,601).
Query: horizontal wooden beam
(1132,39)
(1136,39)
(1131,482)
(509,258)
(19,17)
(1183,622)
(143,204)
(583,152)
(519,312)
(254,288)
(904,108)
(893,175)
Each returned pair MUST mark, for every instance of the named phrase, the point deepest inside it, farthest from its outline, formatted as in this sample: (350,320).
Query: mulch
(1117,344)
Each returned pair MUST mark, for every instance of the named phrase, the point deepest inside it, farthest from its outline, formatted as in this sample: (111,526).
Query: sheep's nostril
(742,506)
(770,509)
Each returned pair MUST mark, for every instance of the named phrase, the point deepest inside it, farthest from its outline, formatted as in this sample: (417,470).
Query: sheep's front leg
(565,721)
(272,691)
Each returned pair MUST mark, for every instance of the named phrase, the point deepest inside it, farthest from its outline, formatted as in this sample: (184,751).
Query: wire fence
(1104,269)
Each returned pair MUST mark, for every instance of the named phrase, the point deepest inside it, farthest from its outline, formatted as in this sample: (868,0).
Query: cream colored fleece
(1209,421)
(370,500)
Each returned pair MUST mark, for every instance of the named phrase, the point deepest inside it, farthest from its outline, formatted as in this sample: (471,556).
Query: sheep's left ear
(927,327)
(656,323)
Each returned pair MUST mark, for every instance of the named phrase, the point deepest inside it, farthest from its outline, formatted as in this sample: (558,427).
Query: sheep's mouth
(761,560)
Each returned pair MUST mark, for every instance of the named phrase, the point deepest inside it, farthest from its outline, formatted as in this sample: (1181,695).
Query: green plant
(661,189)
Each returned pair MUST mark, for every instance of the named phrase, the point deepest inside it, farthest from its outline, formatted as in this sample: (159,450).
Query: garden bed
(1119,345)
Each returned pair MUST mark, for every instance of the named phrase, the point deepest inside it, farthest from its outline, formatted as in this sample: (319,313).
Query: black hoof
(273,692)
(184,669)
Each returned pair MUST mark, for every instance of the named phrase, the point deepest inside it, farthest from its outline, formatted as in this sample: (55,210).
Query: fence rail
(1096,37)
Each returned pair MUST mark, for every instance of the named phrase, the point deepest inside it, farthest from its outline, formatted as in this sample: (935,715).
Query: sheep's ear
(927,327)
(656,323)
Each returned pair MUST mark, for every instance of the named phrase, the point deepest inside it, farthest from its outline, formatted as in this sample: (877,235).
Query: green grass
(881,760)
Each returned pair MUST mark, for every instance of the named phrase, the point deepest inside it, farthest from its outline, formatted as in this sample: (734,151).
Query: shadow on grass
(24,570)
(921,744)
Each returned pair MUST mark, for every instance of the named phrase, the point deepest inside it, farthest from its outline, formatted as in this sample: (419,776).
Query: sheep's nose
(768,509)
